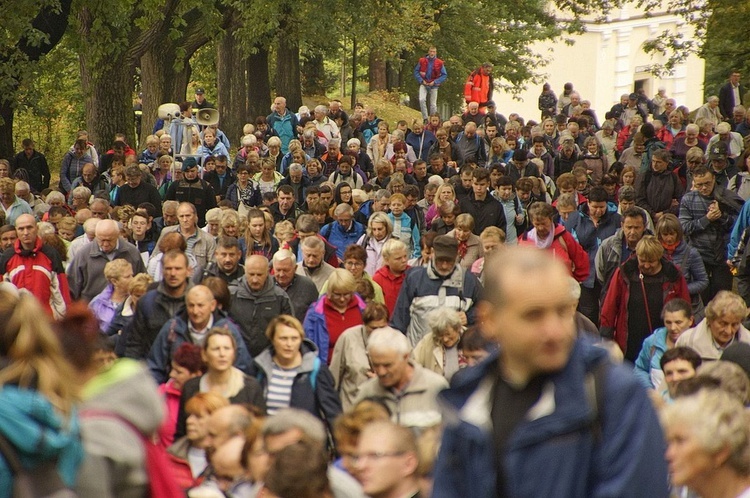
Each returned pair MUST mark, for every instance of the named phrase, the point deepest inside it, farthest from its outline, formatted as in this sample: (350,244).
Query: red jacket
(565,248)
(614,315)
(478,87)
(391,285)
(39,271)
(437,66)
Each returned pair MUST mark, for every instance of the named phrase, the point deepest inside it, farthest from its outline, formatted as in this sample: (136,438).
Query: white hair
(283,255)
(388,339)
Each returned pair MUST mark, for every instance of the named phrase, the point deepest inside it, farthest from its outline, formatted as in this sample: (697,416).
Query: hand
(675,203)
(519,218)
(730,264)
(462,317)
(452,164)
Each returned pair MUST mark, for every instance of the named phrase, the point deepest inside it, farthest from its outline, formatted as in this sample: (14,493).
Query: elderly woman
(350,365)
(118,273)
(721,328)
(229,224)
(469,245)
(438,350)
(163,173)
(12,205)
(187,456)
(708,438)
(355,261)
(337,310)
(292,373)
(685,257)
(137,287)
(379,230)
(222,377)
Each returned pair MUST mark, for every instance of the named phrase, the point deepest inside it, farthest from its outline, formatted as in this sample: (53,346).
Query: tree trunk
(6,129)
(288,71)
(258,84)
(159,83)
(377,71)
(314,81)
(107,96)
(231,87)
(354,73)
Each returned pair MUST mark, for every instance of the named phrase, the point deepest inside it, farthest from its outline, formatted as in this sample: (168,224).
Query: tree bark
(230,86)
(160,84)
(377,71)
(258,84)
(288,70)
(314,77)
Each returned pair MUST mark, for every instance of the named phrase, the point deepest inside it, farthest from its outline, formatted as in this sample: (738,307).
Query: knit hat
(445,247)
(189,163)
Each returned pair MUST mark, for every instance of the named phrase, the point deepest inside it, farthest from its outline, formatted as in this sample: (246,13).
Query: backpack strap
(594,386)
(314,373)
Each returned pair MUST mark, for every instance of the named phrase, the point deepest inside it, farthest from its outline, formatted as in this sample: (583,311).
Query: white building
(607,61)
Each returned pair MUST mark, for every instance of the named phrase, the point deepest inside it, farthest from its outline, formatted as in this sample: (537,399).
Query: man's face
(256,273)
(280,105)
(380,469)
(597,209)
(389,366)
(139,225)
(7,239)
(420,170)
(535,330)
(285,201)
(89,173)
(719,164)
(724,328)
(466,179)
(436,164)
(432,52)
(283,272)
(676,371)
(26,230)
(191,174)
(480,188)
(170,217)
(539,149)
(277,442)
(633,229)
(738,116)
(704,184)
(175,271)
(565,211)
(505,192)
(397,261)
(327,197)
(200,98)
(228,258)
(312,257)
(107,240)
(444,266)
(200,306)
(734,78)
(186,217)
(333,150)
(133,180)
(345,220)
(221,167)
(473,108)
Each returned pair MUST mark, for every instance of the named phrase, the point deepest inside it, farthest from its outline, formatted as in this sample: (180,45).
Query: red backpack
(160,483)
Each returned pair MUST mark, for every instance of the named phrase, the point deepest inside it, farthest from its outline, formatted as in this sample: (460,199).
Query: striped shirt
(280,388)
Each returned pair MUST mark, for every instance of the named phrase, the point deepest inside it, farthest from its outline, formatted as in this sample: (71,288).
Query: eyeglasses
(376,455)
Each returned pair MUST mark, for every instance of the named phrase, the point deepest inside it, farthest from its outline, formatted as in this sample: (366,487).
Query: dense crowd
(283,315)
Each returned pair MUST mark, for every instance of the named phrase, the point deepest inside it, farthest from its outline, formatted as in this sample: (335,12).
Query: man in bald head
(86,270)
(35,266)
(255,301)
(192,324)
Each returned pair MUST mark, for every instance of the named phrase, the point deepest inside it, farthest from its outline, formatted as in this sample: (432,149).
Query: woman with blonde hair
(445,192)
(37,393)
(137,287)
(469,245)
(118,273)
(230,224)
(379,231)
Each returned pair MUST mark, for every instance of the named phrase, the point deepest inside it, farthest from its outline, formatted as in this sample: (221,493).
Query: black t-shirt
(638,319)
(509,407)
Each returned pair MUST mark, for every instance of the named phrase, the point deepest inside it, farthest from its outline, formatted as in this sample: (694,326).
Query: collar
(202,331)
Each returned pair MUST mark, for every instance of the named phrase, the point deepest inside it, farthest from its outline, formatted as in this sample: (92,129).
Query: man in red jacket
(35,266)
(639,289)
(479,86)
(430,73)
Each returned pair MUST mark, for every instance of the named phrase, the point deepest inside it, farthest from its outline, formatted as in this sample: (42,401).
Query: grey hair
(353,141)
(313,243)
(381,194)
(81,190)
(398,134)
(390,246)
(22,186)
(249,140)
(321,108)
(693,128)
(731,377)
(343,209)
(336,142)
(308,133)
(288,419)
(284,254)
(442,320)
(388,339)
(295,167)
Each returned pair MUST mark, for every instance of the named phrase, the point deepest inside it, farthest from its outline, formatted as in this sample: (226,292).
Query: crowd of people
(283,316)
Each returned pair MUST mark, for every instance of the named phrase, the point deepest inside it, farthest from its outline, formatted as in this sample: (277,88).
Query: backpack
(42,482)
(156,463)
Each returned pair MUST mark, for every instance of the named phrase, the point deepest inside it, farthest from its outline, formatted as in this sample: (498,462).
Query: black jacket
(486,213)
(253,311)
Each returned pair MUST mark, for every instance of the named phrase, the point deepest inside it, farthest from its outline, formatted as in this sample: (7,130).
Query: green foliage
(725,48)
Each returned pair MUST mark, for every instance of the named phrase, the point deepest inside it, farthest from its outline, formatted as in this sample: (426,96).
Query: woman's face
(286,343)
(121,283)
(379,231)
(628,178)
(274,149)
(257,226)
(267,172)
(549,127)
(209,138)
(231,230)
(382,131)
(197,427)
(313,169)
(668,239)
(462,234)
(688,462)
(356,267)
(219,353)
(165,164)
(196,138)
(445,195)
(346,194)
(592,148)
(339,300)
(450,338)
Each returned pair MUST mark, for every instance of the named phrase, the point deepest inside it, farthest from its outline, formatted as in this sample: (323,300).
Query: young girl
(498,150)
(628,176)
(596,161)
(257,239)
(403,229)
(445,223)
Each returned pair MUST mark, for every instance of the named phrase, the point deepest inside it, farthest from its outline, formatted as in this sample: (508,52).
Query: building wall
(606,61)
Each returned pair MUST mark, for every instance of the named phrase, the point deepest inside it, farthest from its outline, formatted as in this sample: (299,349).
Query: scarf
(245,195)
(541,244)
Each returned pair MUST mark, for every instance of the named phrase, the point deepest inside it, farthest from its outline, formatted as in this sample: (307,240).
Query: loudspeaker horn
(168,112)
(207,116)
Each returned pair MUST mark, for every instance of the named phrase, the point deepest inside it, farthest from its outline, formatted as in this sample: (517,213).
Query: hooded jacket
(590,237)
(315,326)
(115,459)
(323,400)
(553,451)
(565,248)
(253,311)
(39,435)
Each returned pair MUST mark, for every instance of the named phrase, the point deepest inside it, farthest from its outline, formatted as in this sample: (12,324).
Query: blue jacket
(590,237)
(175,332)
(409,234)
(315,324)
(421,143)
(743,221)
(35,429)
(285,127)
(649,358)
(321,400)
(556,453)
(693,270)
(340,238)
